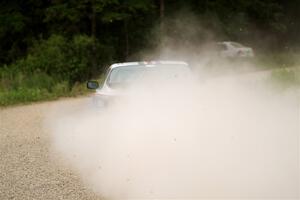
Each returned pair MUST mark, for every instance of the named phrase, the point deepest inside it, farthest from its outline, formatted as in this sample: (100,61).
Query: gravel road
(28,168)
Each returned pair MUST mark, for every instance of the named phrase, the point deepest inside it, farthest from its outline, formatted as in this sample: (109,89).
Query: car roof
(166,62)
(229,42)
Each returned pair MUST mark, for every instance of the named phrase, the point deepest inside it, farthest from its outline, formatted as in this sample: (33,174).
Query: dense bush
(54,67)
(65,59)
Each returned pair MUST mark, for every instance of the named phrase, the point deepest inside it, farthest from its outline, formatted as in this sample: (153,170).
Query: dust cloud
(226,137)
(227,134)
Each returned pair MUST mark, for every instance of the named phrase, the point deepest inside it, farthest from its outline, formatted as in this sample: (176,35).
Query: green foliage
(50,70)
(23,95)
(17,87)
(126,25)
(64,59)
(286,78)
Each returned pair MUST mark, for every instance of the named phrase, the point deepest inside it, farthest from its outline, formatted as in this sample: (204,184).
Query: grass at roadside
(285,68)
(26,95)
(286,77)
(277,60)
(21,88)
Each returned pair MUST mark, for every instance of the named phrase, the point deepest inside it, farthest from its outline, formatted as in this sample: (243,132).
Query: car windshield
(127,74)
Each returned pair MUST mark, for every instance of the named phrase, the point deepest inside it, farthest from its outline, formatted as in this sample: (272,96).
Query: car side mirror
(92,85)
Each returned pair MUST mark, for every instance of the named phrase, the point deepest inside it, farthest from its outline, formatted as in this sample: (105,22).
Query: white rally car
(228,49)
(121,76)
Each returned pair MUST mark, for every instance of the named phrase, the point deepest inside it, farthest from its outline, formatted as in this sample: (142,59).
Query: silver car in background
(228,49)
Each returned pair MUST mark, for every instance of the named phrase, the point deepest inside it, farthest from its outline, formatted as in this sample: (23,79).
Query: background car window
(237,45)
(221,47)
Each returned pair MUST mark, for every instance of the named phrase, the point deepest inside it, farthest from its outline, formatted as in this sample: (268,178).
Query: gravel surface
(28,168)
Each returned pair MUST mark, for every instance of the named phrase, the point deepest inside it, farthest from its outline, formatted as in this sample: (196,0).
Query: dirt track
(26,169)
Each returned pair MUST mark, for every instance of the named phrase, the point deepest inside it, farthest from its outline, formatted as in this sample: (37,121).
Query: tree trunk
(126,40)
(162,14)
(93,34)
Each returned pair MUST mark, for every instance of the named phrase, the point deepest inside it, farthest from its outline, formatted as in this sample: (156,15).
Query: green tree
(20,24)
